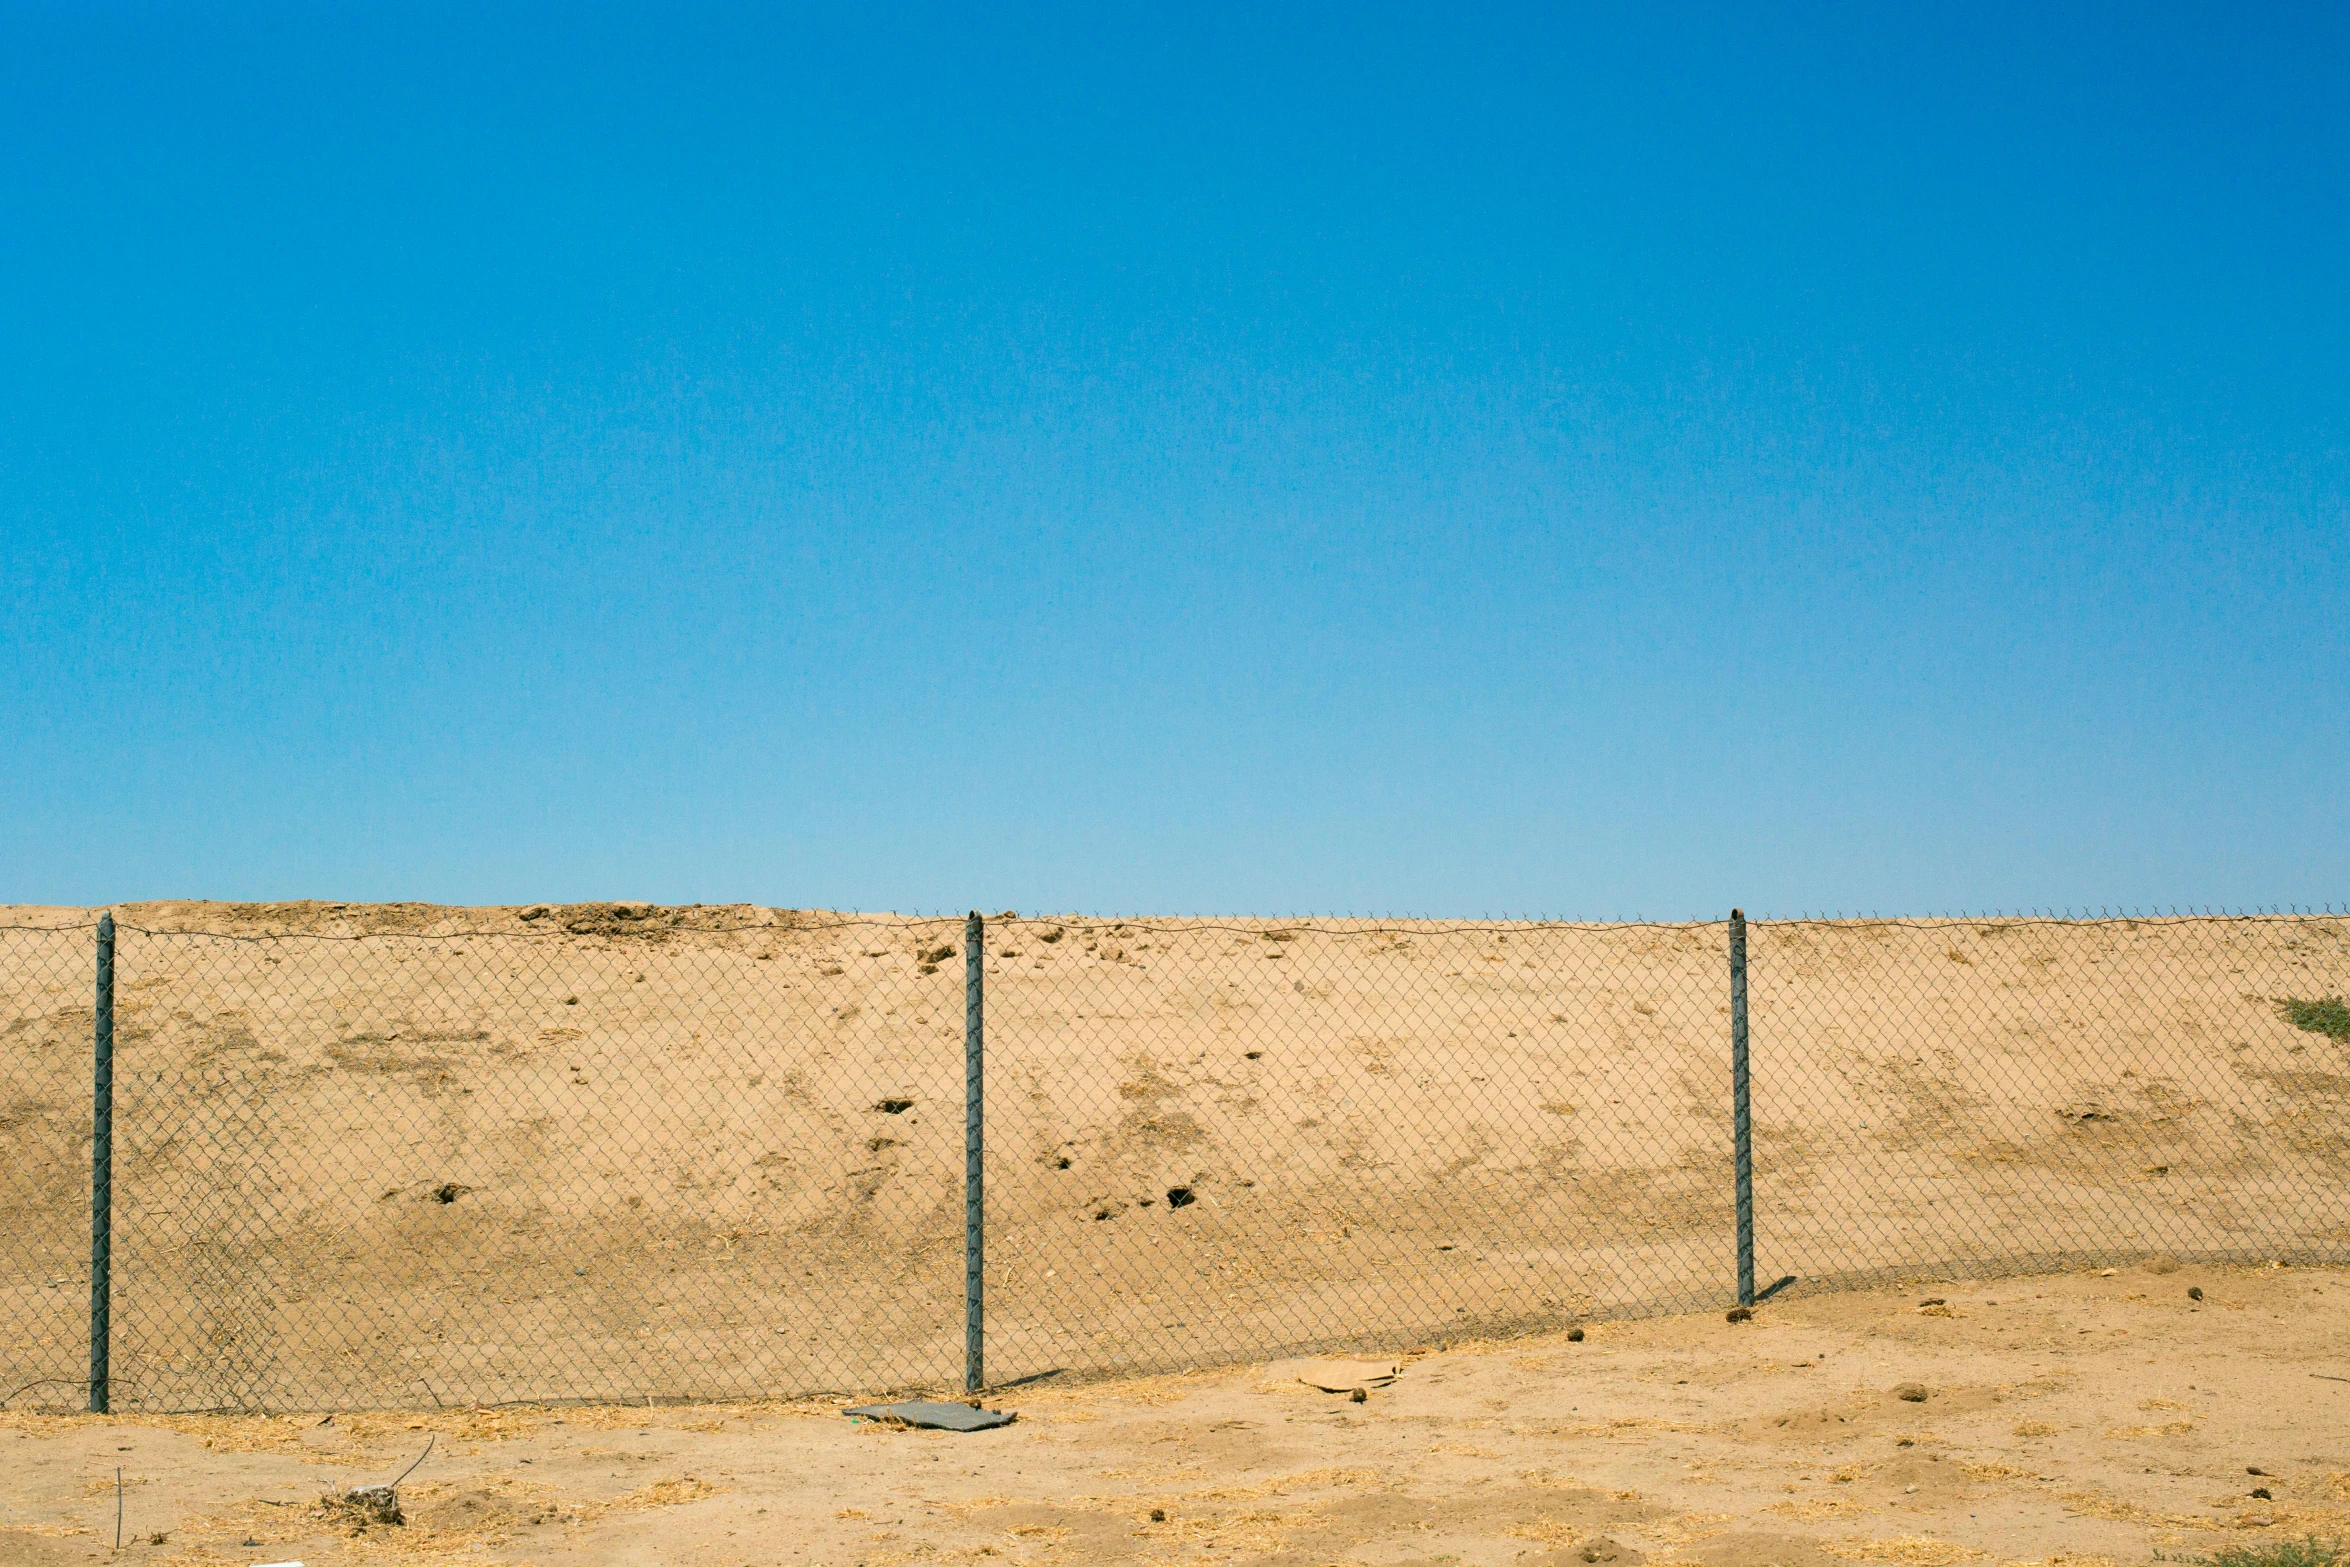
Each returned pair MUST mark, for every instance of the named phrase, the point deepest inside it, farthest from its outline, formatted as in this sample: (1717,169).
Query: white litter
(1345,1376)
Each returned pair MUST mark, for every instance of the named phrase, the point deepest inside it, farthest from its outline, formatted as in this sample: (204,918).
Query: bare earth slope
(388,1155)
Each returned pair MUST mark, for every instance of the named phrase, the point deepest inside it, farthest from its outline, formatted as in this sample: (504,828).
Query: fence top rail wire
(787,926)
(1247,925)
(797,921)
(1346,924)
(2045,917)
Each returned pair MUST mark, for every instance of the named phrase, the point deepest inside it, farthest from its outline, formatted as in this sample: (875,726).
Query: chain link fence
(617,1153)
(1979,1095)
(616,1160)
(47,983)
(1215,1141)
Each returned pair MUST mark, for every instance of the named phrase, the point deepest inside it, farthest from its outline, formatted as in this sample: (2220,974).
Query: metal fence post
(1741,1112)
(102,1174)
(974,1154)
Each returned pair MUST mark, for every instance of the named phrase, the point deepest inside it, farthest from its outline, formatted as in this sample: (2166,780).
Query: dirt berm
(395,1154)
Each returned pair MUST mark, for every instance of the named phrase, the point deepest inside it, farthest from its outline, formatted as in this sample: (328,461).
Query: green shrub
(2330,1016)
(2308,1552)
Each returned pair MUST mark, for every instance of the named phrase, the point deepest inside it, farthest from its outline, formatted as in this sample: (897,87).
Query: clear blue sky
(1454,459)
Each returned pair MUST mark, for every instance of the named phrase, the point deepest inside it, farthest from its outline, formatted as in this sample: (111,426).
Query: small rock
(2194,1292)
(2248,1469)
(1740,1314)
(2161,1265)
(1911,1392)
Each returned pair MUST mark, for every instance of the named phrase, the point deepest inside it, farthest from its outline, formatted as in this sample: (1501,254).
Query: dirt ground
(2081,1418)
(383,1155)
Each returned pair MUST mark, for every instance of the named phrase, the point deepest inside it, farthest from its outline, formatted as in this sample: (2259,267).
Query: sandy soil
(2078,1418)
(377,1156)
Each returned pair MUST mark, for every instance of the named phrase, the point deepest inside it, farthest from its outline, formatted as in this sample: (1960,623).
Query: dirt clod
(1911,1392)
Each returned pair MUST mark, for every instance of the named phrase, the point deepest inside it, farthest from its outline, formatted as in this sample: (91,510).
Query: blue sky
(1451,459)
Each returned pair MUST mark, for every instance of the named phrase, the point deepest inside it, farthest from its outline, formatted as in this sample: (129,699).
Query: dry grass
(1822,1507)
(2096,1504)
(1906,1551)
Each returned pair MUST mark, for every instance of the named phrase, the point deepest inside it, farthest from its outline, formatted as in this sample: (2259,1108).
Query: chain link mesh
(1212,1141)
(629,1159)
(2013,1094)
(47,983)
(620,1153)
